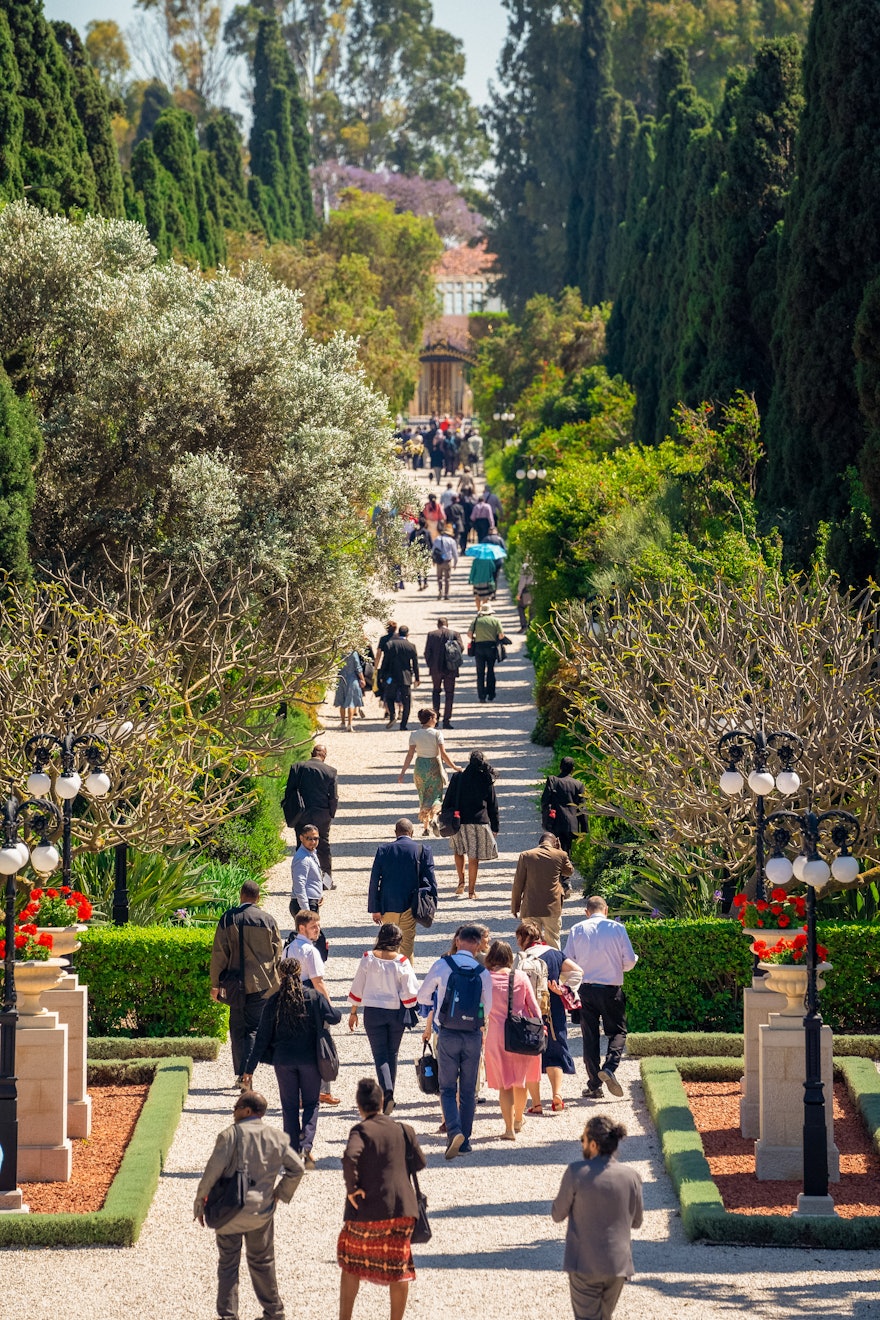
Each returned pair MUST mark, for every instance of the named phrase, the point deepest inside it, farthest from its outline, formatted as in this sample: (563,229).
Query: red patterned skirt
(377,1250)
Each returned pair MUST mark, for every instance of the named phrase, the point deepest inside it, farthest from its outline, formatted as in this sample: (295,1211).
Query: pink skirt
(504,1070)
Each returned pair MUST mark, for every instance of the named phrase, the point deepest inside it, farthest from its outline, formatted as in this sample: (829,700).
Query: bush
(150,981)
(155,1047)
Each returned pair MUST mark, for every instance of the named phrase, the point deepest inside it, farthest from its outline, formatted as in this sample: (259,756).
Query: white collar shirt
(602,949)
(433,988)
(310,961)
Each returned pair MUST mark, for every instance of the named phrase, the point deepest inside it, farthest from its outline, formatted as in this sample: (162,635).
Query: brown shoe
(327,1099)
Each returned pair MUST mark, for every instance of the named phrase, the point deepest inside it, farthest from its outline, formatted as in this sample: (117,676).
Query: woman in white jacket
(384,986)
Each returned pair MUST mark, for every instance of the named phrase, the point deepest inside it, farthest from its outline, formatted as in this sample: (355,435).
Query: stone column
(779,1152)
(70,1001)
(44,1149)
(758,1003)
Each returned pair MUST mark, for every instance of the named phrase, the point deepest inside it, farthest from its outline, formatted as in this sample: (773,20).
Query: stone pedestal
(11,1203)
(44,1150)
(758,1003)
(70,1001)
(779,1152)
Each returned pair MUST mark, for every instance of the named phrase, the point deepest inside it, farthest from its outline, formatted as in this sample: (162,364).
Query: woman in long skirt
(426,745)
(350,690)
(556,1059)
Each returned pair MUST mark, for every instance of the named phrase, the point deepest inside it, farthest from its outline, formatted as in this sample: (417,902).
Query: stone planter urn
(771,936)
(32,979)
(64,939)
(790,979)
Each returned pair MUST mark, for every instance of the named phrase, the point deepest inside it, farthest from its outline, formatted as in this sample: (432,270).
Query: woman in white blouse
(385,987)
(426,745)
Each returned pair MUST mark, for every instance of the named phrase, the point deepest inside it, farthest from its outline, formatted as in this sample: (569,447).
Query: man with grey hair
(602,949)
(541,885)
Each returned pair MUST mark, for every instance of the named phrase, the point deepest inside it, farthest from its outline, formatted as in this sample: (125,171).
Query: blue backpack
(462,1009)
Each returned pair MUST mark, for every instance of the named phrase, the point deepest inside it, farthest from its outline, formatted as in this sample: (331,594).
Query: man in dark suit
(438,667)
(399,868)
(400,673)
(602,1201)
(311,798)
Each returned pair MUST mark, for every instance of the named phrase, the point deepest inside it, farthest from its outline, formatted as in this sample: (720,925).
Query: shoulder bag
(424,904)
(232,978)
(426,1071)
(449,821)
(421,1229)
(228,1194)
(522,1035)
(325,1048)
(292,803)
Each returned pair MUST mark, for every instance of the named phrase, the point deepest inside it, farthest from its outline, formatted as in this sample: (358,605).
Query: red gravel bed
(115,1111)
(715,1107)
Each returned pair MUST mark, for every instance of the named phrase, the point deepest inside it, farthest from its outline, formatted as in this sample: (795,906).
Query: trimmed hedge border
(119,1222)
(153,1047)
(684,1044)
(702,1209)
(121,1072)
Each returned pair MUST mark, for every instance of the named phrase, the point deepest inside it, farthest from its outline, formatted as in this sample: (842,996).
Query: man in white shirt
(307,928)
(448,495)
(602,948)
(458,1018)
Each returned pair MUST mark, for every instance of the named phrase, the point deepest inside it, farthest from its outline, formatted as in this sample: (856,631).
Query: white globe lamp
(788,782)
(797,867)
(67,785)
(520,474)
(761,782)
(10,861)
(38,784)
(532,473)
(779,870)
(97,783)
(731,782)
(845,868)
(817,873)
(45,858)
(23,851)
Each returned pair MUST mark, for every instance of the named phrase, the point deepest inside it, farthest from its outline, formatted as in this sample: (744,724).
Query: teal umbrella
(484,551)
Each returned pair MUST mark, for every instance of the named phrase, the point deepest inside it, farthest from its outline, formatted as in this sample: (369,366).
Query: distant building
(463,279)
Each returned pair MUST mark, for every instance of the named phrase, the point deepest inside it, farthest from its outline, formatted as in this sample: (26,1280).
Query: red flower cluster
(787,951)
(29,944)
(782,911)
(57,907)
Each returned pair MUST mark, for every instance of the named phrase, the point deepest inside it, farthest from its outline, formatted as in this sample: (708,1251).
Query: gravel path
(490,1211)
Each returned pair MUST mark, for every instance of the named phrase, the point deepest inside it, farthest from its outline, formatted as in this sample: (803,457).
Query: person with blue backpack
(461,988)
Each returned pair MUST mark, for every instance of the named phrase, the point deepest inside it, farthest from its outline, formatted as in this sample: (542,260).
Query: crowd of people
(441,444)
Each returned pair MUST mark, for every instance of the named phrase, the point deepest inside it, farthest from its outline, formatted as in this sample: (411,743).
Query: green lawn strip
(678,1044)
(128,1201)
(153,1047)
(702,1210)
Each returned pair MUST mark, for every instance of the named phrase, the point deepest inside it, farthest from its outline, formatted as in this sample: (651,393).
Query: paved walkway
(494,1253)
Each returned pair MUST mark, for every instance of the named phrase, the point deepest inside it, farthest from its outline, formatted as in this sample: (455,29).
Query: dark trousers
(259,1245)
(608,1003)
(299,1087)
(244,1018)
(399,694)
(485,654)
(447,683)
(384,1032)
(481,527)
(458,1062)
(462,538)
(594,1297)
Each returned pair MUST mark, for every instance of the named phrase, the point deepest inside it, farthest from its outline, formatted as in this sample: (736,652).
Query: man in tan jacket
(540,885)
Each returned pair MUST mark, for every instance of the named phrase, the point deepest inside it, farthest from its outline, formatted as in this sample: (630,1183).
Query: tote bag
(522,1035)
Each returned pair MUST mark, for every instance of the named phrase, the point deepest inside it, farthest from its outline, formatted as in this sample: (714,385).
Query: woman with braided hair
(287,1038)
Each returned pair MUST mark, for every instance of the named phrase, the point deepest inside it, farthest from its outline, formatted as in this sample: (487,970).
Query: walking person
(455,516)
(459,990)
(445,556)
(274,1172)
(433,514)
(482,519)
(444,652)
(311,795)
(509,1074)
(378,677)
(288,1037)
(385,987)
(601,1200)
(400,672)
(350,688)
(561,805)
(486,632)
(305,948)
(525,595)
(399,870)
(482,580)
(379,1160)
(244,969)
(602,949)
(420,537)
(307,879)
(558,972)
(540,887)
(426,745)
(471,795)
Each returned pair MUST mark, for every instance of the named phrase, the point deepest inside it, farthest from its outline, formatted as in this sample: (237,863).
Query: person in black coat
(471,795)
(438,667)
(400,673)
(314,783)
(561,805)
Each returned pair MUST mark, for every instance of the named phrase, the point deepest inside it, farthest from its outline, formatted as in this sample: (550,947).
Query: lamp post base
(11,1203)
(813,1205)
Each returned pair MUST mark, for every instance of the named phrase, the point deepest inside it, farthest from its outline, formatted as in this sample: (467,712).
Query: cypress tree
(93,108)
(279,187)
(829,259)
(20,445)
(156,99)
(176,184)
(146,200)
(592,85)
(11,118)
(55,163)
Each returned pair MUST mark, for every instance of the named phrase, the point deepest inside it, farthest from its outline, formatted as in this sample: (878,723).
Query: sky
(481,25)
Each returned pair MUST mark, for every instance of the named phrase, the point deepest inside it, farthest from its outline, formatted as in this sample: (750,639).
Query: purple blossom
(718,895)
(437,198)
(655,912)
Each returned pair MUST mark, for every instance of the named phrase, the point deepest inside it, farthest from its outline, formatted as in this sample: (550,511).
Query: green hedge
(702,1209)
(691,974)
(687,1044)
(153,1047)
(150,981)
(119,1222)
(120,1072)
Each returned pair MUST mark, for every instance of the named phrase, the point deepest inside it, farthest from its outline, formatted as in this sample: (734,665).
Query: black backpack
(452,655)
(462,1008)
(437,554)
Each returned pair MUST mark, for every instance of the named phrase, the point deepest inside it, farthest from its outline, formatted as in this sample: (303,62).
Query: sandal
(558,1104)
(536,1110)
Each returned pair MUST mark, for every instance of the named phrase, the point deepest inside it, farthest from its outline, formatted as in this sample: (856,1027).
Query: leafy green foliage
(159,884)
(175,184)
(20,446)
(280,191)
(252,841)
(93,109)
(149,981)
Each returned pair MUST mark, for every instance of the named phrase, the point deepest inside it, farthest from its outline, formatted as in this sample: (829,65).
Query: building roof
(465,261)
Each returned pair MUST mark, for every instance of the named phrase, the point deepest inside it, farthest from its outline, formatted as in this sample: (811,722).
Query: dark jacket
(602,1201)
(316,782)
(275,1044)
(564,794)
(378,1159)
(262,948)
(468,796)
(401,663)
(435,649)
(397,870)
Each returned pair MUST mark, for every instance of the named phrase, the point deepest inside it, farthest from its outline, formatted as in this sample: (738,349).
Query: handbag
(569,999)
(449,820)
(426,1071)
(229,1193)
(421,1229)
(232,978)
(325,1050)
(522,1035)
(424,904)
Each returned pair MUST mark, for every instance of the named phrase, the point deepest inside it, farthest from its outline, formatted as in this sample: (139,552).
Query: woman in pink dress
(509,1074)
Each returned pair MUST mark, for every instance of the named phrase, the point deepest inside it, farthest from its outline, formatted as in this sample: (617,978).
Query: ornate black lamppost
(842,829)
(41,818)
(89,748)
